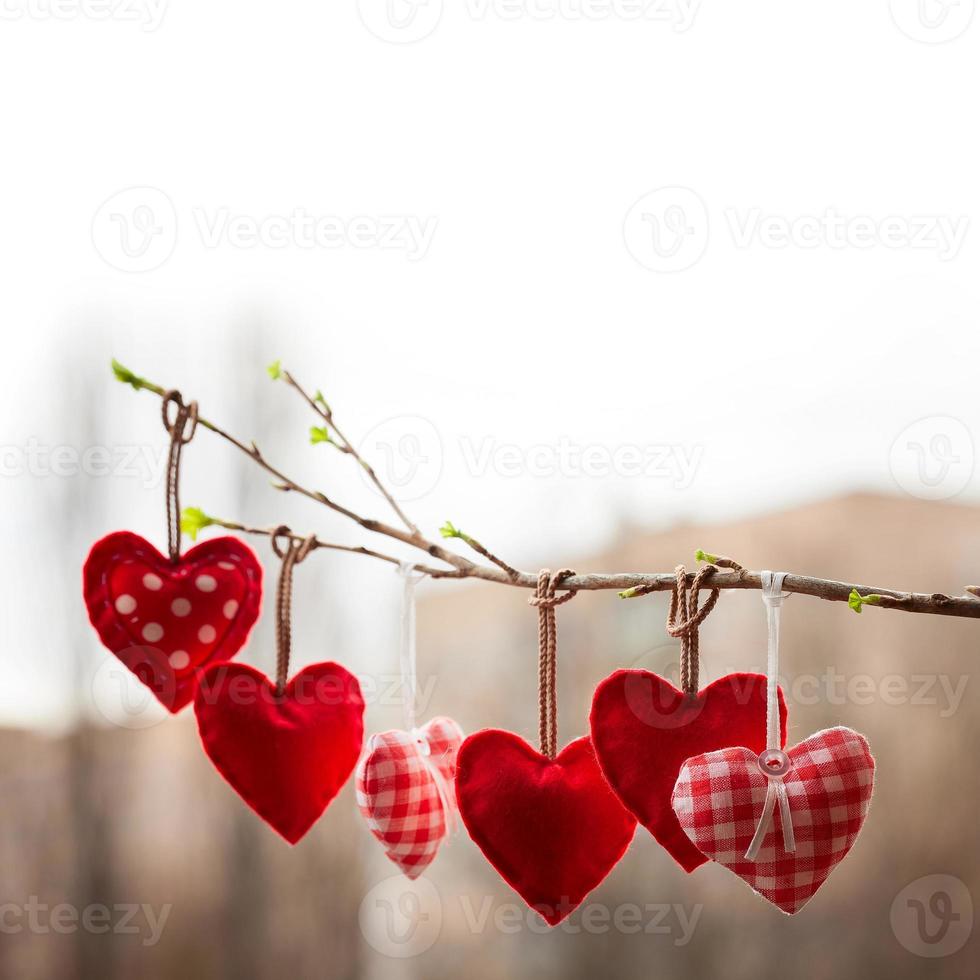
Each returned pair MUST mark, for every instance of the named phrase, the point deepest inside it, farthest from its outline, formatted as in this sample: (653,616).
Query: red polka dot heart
(167,620)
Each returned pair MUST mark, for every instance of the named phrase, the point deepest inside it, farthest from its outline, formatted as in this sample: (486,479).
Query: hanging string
(409,677)
(774,763)
(180,435)
(295,552)
(406,646)
(546,601)
(685,604)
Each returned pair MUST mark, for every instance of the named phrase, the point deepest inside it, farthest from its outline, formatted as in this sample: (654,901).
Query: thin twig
(346,446)
(448,531)
(318,543)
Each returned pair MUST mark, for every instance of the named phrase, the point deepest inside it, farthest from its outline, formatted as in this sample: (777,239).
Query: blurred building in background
(107,816)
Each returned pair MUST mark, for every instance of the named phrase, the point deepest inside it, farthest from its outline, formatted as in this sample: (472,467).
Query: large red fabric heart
(643,729)
(404,786)
(551,827)
(719,798)
(165,620)
(287,757)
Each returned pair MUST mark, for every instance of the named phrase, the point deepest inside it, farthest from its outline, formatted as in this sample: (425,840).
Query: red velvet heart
(552,828)
(164,620)
(643,729)
(287,757)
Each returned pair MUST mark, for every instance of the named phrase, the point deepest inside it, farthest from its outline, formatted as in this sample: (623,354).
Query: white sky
(509,154)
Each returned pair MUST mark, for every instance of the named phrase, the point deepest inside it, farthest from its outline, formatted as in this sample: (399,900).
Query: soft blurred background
(602,284)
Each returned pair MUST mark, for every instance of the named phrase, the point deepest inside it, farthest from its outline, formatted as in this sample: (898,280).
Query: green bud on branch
(319,433)
(193,520)
(274,370)
(448,531)
(127,377)
(700,555)
(856,601)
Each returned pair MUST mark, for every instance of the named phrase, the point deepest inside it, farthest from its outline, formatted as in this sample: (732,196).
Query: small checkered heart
(168,620)
(404,787)
(719,798)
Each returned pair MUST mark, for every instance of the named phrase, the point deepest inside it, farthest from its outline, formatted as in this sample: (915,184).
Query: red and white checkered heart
(719,796)
(404,785)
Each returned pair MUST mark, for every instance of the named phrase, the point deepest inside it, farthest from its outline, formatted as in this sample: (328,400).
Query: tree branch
(629,584)
(346,446)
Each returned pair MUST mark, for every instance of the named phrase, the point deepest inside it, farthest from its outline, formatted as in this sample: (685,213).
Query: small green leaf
(448,531)
(319,433)
(856,601)
(126,376)
(319,399)
(275,370)
(193,520)
(700,555)
(628,593)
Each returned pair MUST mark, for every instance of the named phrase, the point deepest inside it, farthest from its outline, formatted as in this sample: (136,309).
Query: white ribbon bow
(774,763)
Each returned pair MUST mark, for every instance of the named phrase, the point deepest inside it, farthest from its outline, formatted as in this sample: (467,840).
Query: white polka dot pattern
(125,604)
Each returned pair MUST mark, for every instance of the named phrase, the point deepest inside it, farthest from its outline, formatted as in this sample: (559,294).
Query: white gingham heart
(399,792)
(719,797)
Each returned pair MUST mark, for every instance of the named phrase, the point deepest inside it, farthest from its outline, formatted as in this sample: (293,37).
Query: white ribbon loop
(409,678)
(774,763)
(406,646)
(446,796)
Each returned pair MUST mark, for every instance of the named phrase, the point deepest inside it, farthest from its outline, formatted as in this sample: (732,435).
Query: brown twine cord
(295,552)
(687,628)
(180,435)
(546,601)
